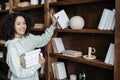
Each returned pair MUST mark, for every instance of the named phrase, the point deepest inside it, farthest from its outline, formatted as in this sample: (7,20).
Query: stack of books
(31,58)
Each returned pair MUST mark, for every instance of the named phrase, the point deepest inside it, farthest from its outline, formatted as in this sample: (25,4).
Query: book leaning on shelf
(59,70)
(58,47)
(62,18)
(109,59)
(107,21)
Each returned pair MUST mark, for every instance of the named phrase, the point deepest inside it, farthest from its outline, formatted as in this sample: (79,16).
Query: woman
(16,27)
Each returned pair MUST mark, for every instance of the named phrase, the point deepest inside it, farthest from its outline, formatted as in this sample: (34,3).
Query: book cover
(30,58)
(109,22)
(72,53)
(111,61)
(109,52)
(61,71)
(58,46)
(62,18)
(104,19)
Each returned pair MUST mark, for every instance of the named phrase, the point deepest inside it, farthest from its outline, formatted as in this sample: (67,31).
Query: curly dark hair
(7,29)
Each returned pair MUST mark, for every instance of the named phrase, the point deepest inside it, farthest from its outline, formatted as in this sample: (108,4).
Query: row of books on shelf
(107,20)
(58,47)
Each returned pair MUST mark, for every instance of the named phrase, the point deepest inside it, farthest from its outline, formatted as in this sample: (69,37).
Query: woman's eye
(24,23)
(18,23)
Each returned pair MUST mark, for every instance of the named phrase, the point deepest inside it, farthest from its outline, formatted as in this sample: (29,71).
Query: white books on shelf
(110,53)
(58,46)
(107,20)
(59,70)
(32,58)
(62,18)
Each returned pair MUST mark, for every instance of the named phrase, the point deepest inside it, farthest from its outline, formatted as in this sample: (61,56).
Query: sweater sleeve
(42,40)
(13,61)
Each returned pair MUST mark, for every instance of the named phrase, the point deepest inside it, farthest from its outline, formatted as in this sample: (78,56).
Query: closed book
(112,55)
(72,53)
(61,71)
(104,18)
(58,45)
(62,19)
(30,58)
(109,22)
(109,52)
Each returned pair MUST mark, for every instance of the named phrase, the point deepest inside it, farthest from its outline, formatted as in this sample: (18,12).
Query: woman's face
(20,26)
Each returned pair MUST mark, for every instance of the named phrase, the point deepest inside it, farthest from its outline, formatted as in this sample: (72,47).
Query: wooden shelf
(2,45)
(96,62)
(28,7)
(73,2)
(3,60)
(4,11)
(86,31)
(38,29)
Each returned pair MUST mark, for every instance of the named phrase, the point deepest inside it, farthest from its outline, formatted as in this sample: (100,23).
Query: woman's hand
(53,19)
(22,61)
(41,60)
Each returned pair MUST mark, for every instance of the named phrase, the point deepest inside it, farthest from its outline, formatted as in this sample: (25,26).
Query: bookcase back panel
(91,13)
(36,15)
(92,73)
(2,16)
(4,67)
(81,42)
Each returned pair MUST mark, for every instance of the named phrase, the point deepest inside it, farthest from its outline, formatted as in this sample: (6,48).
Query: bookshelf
(81,39)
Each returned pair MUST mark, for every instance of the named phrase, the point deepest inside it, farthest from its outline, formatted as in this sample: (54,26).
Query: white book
(113,21)
(42,1)
(54,70)
(109,52)
(113,24)
(32,64)
(61,71)
(109,22)
(57,43)
(112,55)
(62,18)
(32,61)
(33,52)
(104,19)
(32,58)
